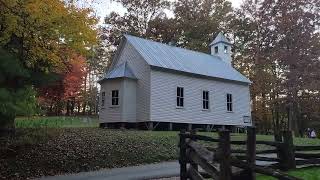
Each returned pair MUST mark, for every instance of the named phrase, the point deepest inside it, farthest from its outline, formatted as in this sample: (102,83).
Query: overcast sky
(104,7)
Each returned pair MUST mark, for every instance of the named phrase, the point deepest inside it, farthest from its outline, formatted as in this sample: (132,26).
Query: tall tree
(22,100)
(73,82)
(298,50)
(65,91)
(198,21)
(252,38)
(135,21)
(37,32)
(277,44)
(193,25)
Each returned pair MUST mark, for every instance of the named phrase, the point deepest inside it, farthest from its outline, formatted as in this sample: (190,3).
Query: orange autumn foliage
(75,77)
(67,88)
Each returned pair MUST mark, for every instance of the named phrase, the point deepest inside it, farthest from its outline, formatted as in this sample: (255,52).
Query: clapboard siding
(142,71)
(109,113)
(163,100)
(129,107)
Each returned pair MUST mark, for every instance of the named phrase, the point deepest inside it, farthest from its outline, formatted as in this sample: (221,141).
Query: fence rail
(224,163)
(307,148)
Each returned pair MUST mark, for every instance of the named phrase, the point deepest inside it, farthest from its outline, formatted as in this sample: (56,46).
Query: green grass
(304,173)
(56,122)
(235,136)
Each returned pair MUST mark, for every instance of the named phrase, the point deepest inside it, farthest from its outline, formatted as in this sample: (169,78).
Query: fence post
(183,156)
(194,165)
(225,150)
(288,151)
(278,138)
(251,151)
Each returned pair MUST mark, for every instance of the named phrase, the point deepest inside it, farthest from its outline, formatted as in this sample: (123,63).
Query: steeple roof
(220,38)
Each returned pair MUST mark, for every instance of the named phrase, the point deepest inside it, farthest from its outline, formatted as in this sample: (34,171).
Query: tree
(296,27)
(64,92)
(20,101)
(199,21)
(252,45)
(193,25)
(136,20)
(277,42)
(37,32)
(50,96)
(73,82)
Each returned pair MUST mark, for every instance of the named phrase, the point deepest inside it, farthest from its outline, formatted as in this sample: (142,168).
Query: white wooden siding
(163,100)
(129,107)
(142,71)
(109,113)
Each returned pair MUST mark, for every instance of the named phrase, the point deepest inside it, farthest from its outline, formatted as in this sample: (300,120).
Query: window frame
(180,97)
(225,50)
(216,49)
(115,97)
(205,100)
(103,96)
(247,119)
(229,101)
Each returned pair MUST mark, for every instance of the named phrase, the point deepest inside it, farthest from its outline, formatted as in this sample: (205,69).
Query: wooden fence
(223,163)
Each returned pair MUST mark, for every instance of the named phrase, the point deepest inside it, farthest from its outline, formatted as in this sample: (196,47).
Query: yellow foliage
(40,31)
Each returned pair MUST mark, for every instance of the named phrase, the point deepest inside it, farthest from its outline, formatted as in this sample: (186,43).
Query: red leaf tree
(62,94)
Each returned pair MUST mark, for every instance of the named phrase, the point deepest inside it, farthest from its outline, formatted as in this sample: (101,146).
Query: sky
(104,7)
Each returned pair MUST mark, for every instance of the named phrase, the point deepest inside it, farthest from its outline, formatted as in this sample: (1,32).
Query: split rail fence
(224,163)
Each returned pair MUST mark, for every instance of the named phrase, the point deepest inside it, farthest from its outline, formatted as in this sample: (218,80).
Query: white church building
(150,83)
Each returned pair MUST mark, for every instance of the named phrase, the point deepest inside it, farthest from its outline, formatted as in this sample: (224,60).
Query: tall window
(115,97)
(225,49)
(180,97)
(103,95)
(205,99)
(229,102)
(216,50)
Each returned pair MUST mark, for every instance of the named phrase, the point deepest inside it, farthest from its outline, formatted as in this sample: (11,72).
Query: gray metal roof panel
(123,70)
(175,58)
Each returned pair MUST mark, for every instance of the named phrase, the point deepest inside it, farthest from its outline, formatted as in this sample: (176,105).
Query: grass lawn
(36,152)
(56,122)
(305,173)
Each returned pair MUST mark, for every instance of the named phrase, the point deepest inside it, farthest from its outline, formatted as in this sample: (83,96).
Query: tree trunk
(84,96)
(51,108)
(90,109)
(7,126)
(73,102)
(295,117)
(79,107)
(84,105)
(68,108)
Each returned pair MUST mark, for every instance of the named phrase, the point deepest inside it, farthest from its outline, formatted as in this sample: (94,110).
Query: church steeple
(221,47)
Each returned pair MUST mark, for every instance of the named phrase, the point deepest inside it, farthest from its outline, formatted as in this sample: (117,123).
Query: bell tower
(221,47)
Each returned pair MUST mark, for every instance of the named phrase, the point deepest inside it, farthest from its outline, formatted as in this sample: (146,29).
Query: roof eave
(100,81)
(199,75)
(228,43)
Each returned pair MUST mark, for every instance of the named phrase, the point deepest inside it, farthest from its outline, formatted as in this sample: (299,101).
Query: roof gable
(122,70)
(175,58)
(220,39)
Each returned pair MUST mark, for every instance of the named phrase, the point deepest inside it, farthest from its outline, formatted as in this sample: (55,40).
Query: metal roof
(174,58)
(220,38)
(123,70)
